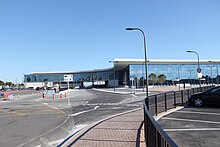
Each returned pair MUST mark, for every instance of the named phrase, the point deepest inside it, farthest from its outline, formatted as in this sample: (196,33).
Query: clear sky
(77,35)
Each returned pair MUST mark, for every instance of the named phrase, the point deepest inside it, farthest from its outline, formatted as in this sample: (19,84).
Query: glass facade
(172,72)
(157,74)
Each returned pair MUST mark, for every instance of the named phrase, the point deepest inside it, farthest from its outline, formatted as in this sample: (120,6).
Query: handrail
(155,136)
(162,133)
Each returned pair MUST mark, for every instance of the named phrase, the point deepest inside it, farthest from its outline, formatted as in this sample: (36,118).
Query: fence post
(156,104)
(165,97)
(174,96)
(145,127)
(188,92)
(182,97)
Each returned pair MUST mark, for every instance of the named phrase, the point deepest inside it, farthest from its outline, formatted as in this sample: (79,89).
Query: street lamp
(114,62)
(216,70)
(211,72)
(190,73)
(179,73)
(198,69)
(145,54)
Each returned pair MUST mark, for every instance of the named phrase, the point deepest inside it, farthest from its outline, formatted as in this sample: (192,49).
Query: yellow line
(17,113)
(8,115)
(52,108)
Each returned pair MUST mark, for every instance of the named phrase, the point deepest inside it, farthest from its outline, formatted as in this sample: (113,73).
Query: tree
(153,78)
(161,78)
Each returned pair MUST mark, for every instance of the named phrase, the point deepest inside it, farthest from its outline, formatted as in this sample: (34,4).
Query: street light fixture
(179,74)
(216,70)
(198,69)
(145,54)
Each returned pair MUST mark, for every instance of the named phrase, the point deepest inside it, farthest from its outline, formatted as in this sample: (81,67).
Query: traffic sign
(68,78)
(198,69)
(199,75)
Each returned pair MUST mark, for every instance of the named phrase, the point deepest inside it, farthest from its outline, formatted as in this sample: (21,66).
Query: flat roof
(73,72)
(122,63)
(165,61)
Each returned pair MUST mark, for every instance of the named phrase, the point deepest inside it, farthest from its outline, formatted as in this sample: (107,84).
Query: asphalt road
(31,120)
(192,126)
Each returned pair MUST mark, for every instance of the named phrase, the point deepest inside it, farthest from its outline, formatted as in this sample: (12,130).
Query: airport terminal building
(128,72)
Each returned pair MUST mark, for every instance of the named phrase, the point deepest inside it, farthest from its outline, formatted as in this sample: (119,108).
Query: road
(33,121)
(193,126)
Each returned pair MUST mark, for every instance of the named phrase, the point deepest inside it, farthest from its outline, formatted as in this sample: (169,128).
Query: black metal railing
(155,136)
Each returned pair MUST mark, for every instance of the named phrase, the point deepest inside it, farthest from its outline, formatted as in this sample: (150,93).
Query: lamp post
(145,54)
(198,69)
(211,73)
(217,78)
(114,62)
(179,74)
(190,74)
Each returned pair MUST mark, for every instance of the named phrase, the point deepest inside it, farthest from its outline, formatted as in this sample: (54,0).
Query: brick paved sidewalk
(120,131)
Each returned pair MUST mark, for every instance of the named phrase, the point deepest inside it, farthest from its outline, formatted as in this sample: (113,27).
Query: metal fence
(154,134)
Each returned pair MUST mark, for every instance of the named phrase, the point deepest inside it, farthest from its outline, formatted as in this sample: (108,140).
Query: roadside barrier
(154,135)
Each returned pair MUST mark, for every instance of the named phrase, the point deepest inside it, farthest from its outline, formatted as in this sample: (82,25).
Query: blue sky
(76,35)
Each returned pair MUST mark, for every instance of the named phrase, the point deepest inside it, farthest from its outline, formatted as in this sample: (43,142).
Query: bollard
(53,96)
(5,96)
(43,95)
(61,95)
(65,94)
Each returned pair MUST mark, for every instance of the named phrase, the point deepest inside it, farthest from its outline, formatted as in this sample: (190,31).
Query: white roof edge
(70,72)
(165,61)
(120,59)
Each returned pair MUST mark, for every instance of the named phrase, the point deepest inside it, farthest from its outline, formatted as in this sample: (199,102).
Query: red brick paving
(120,131)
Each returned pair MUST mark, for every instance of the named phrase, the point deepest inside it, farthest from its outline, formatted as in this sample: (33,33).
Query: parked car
(211,96)
(39,88)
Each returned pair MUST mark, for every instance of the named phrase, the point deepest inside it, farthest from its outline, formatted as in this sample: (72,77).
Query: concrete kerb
(77,135)
(160,115)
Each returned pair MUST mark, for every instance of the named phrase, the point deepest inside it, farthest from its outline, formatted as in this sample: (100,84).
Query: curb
(168,112)
(77,135)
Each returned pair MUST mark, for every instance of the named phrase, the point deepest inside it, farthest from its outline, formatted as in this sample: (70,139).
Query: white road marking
(45,141)
(206,113)
(55,142)
(84,111)
(197,129)
(190,120)
(102,104)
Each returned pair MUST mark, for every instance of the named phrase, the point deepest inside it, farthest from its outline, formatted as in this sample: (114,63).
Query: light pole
(211,73)
(145,55)
(217,78)
(198,69)
(179,74)
(114,62)
(190,74)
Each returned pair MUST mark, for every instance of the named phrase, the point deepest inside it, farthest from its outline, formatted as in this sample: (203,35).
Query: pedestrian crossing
(114,104)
